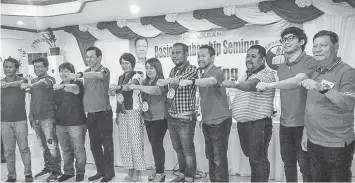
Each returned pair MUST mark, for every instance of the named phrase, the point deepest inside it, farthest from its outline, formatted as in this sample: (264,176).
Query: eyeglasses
(288,39)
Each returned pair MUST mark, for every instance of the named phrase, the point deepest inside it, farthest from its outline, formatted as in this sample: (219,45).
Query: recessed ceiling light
(134,8)
(20,22)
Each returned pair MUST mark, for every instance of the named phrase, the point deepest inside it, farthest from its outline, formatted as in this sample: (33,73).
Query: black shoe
(54,176)
(3,161)
(96,176)
(107,178)
(29,178)
(79,177)
(64,178)
(178,179)
(11,180)
(43,172)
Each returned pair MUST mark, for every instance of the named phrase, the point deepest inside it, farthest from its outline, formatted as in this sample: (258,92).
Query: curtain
(290,11)
(159,22)
(122,33)
(84,39)
(217,16)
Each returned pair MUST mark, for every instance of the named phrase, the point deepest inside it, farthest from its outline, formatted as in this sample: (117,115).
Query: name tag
(327,84)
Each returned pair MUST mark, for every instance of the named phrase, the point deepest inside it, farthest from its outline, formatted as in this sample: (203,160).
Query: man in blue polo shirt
(216,116)
(14,126)
(293,102)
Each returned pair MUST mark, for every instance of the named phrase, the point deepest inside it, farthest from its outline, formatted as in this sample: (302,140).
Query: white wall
(12,40)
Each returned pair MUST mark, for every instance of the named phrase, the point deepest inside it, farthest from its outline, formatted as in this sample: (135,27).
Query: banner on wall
(230,45)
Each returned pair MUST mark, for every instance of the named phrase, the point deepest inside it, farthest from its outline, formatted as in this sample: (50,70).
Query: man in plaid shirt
(182,115)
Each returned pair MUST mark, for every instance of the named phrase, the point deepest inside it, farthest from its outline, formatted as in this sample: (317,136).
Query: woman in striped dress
(129,119)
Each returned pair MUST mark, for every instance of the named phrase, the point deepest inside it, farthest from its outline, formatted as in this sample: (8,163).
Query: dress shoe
(11,180)
(107,178)
(28,178)
(96,176)
(79,178)
(64,178)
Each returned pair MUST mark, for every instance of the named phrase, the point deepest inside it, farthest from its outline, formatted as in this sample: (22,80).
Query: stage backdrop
(230,45)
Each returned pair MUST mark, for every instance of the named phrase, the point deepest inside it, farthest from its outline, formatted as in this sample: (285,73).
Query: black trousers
(100,126)
(156,131)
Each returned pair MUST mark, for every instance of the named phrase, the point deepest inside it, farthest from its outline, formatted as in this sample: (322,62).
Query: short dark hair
(128,57)
(211,50)
(261,50)
(185,49)
(299,33)
(12,60)
(67,65)
(140,38)
(332,35)
(97,50)
(43,60)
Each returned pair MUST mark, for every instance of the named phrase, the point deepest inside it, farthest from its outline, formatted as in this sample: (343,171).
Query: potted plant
(50,39)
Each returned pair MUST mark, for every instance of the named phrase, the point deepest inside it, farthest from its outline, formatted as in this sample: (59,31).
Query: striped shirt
(251,106)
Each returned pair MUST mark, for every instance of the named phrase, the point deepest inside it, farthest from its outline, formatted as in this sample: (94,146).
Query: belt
(184,115)
(105,110)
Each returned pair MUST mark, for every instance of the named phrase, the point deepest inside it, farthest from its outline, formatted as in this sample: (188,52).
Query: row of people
(170,104)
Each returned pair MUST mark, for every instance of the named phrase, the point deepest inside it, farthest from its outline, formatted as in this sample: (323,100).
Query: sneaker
(11,180)
(43,172)
(151,177)
(189,179)
(79,178)
(64,178)
(28,178)
(159,177)
(53,177)
(178,179)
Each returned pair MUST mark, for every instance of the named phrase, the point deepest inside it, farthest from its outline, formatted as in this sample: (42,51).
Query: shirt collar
(99,68)
(176,68)
(298,59)
(330,66)
(256,71)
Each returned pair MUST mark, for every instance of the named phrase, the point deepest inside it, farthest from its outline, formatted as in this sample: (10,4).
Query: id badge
(327,84)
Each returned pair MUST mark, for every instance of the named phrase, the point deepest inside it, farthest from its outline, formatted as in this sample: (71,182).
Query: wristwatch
(324,91)
(236,82)
(80,74)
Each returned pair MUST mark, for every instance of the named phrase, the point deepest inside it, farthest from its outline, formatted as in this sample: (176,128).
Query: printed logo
(275,55)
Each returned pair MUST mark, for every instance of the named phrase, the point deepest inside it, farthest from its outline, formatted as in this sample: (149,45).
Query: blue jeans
(72,142)
(182,134)
(12,132)
(216,140)
(45,131)
(331,164)
(291,152)
(254,139)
